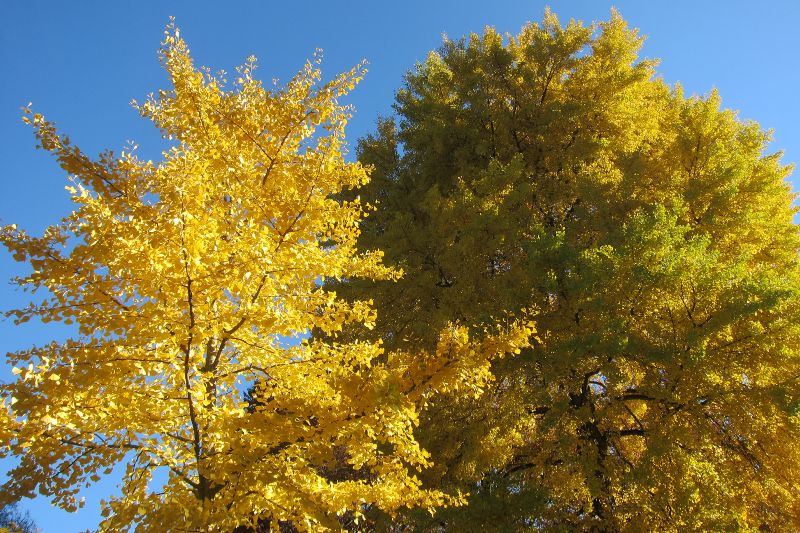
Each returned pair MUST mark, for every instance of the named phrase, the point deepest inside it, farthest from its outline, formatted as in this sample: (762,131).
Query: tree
(191,279)
(12,520)
(654,235)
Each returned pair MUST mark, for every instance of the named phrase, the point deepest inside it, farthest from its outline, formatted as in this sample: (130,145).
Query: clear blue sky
(80,63)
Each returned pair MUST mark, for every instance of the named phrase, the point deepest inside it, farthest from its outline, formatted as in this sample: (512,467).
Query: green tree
(652,233)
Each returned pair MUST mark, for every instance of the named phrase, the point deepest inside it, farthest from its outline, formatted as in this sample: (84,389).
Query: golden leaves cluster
(193,278)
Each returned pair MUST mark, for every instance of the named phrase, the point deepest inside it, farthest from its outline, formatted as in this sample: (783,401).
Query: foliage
(12,520)
(188,280)
(654,235)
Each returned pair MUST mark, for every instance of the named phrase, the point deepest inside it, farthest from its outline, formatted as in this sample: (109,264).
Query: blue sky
(80,63)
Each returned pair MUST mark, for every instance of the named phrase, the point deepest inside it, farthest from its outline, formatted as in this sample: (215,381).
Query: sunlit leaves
(196,277)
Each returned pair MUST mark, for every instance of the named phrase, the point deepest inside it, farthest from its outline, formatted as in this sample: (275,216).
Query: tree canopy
(392,370)
(653,235)
(191,279)
(13,520)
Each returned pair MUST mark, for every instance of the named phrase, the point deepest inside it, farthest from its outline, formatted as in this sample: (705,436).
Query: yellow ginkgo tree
(192,279)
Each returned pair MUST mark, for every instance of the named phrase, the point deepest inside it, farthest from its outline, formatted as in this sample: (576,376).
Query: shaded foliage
(652,233)
(13,520)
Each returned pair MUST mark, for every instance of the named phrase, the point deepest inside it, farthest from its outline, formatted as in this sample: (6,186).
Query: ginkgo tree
(191,279)
(654,234)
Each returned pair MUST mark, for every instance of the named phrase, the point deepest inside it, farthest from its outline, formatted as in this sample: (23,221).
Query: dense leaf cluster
(653,235)
(393,378)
